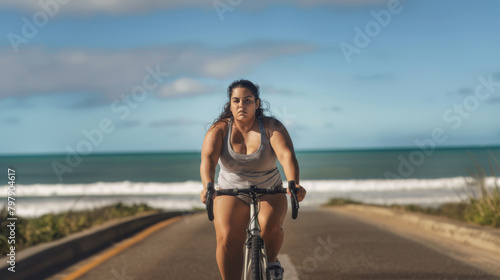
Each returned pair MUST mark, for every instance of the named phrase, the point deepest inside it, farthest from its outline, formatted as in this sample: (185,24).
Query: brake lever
(293,190)
(209,201)
(210,190)
(295,198)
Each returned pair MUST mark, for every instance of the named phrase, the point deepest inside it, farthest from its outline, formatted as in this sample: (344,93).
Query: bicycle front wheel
(257,272)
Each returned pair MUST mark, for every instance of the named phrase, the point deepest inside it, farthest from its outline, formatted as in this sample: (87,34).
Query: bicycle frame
(254,230)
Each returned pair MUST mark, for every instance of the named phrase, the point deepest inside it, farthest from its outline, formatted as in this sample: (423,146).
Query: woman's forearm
(207,171)
(291,167)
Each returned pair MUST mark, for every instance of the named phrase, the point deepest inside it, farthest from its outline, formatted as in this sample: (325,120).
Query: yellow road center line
(136,238)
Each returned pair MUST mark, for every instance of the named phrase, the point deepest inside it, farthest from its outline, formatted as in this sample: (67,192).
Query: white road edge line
(290,271)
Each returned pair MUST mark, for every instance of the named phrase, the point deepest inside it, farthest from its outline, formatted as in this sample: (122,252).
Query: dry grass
(484,201)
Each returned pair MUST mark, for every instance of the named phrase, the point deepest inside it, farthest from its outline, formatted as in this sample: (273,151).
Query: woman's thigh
(231,217)
(272,210)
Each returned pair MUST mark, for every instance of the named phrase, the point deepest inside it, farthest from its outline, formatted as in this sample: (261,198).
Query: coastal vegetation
(49,227)
(482,206)
(484,202)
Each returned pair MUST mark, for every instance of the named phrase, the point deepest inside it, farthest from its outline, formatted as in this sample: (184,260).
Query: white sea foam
(38,199)
(105,189)
(127,188)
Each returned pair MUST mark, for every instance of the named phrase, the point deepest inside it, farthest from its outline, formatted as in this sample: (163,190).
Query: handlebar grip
(294,201)
(233,192)
(274,190)
(209,201)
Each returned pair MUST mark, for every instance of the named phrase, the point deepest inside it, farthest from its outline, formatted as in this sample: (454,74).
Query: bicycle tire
(256,269)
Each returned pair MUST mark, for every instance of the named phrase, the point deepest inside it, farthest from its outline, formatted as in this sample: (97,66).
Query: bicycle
(255,266)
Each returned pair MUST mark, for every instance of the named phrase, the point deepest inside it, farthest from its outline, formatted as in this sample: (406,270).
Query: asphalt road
(318,245)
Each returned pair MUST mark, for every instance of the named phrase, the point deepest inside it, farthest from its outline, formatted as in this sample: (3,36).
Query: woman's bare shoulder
(219,127)
(272,123)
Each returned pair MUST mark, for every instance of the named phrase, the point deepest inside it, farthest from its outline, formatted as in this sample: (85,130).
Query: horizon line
(496,146)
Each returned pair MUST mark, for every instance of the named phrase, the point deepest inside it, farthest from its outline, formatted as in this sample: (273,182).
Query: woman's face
(243,104)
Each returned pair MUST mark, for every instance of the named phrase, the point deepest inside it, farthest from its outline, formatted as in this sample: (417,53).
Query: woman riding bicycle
(246,144)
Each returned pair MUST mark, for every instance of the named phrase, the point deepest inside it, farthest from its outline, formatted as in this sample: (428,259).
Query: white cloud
(134,6)
(183,87)
(175,122)
(113,73)
(271,89)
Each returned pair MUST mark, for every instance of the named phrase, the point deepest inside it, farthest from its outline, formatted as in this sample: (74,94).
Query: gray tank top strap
(262,129)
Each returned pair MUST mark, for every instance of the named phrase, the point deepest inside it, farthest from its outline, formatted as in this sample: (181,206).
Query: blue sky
(418,72)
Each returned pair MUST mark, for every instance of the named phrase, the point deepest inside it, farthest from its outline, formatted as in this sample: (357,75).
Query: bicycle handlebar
(235,192)
(254,190)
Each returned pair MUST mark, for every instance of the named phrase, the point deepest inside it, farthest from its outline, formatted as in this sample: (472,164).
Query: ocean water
(54,183)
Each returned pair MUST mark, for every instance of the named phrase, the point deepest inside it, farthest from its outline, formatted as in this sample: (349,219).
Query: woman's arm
(210,153)
(283,147)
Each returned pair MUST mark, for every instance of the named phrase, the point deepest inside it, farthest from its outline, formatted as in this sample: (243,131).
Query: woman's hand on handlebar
(203,195)
(301,192)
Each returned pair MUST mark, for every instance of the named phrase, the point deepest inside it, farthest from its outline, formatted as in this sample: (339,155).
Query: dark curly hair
(254,88)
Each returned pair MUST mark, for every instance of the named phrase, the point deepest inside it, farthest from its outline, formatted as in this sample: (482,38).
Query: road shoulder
(46,259)
(474,245)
